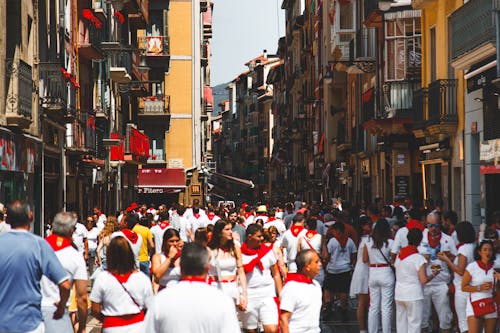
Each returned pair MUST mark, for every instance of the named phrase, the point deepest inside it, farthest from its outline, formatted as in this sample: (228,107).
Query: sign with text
(402,186)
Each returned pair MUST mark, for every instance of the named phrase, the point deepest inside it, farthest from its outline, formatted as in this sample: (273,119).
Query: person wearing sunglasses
(436,242)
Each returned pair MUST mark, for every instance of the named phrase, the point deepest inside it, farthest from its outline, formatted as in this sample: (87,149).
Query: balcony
(100,9)
(137,146)
(18,104)
(472,29)
(155,46)
(419,102)
(442,107)
(154,106)
(53,88)
(121,68)
(89,40)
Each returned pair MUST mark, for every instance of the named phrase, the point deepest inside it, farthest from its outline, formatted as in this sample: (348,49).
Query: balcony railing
(53,88)
(154,106)
(419,102)
(472,25)
(442,101)
(90,39)
(398,98)
(19,94)
(155,46)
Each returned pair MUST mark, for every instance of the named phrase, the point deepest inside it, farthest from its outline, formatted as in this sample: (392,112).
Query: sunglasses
(433,225)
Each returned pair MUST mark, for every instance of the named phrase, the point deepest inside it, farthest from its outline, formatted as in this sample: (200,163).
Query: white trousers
(461,308)
(437,295)
(381,287)
(409,316)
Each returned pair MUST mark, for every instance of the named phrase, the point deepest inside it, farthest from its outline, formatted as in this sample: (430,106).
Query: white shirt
(115,300)
(467,250)
(214,219)
(400,240)
(313,243)
(171,276)
(183,228)
(4,227)
(200,222)
(79,235)
(192,307)
(279,224)
(158,232)
(136,248)
(446,244)
(92,236)
(260,283)
(289,242)
(189,212)
(478,277)
(408,286)
(375,255)
(101,222)
(75,266)
(303,301)
(340,258)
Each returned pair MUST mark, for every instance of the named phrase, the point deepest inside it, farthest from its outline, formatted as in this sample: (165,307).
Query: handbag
(483,306)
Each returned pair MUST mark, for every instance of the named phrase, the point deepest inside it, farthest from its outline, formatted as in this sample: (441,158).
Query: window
(403,51)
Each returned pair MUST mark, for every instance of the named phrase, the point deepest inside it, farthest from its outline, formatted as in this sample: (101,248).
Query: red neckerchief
(131,236)
(211,216)
(271,219)
(58,242)
(246,215)
(196,216)
(407,251)
(122,278)
(260,252)
(414,224)
(433,241)
(194,279)
(484,267)
(296,229)
(342,240)
(297,277)
(164,224)
(311,233)
(459,245)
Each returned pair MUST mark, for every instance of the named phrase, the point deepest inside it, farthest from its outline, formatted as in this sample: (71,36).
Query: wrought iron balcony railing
(19,94)
(442,101)
(154,106)
(471,26)
(53,88)
(155,46)
(398,99)
(419,102)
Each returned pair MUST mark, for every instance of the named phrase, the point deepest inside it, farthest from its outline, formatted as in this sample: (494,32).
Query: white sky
(241,30)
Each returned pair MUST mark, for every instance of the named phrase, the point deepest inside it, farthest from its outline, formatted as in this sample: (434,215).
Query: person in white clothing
(435,242)
(479,282)
(196,220)
(300,299)
(80,238)
(263,283)
(121,294)
(73,263)
(159,229)
(4,226)
(312,240)
(100,219)
(190,211)
(410,277)
(92,240)
(465,255)
(182,224)
(376,253)
(130,220)
(211,216)
(290,240)
(401,240)
(192,305)
(166,264)
(273,221)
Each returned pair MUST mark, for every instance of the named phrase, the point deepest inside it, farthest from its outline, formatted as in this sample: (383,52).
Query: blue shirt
(24,259)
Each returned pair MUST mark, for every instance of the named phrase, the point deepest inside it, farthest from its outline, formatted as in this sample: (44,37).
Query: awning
(161,180)
(241,181)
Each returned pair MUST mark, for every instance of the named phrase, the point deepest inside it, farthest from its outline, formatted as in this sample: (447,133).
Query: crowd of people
(257,268)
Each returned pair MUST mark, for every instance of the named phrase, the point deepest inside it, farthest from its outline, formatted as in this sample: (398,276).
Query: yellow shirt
(146,234)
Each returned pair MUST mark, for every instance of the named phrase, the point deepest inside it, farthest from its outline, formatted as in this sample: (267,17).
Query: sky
(242,29)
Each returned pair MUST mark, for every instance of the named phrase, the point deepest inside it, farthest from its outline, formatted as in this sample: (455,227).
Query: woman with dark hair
(376,253)
(271,240)
(465,255)
(121,294)
(226,268)
(478,281)
(359,282)
(165,265)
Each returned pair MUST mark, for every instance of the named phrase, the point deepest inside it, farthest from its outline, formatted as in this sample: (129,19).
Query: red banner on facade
(138,143)
(116,152)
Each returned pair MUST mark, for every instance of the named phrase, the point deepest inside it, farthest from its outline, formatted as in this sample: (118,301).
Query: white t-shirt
(303,300)
(101,222)
(400,240)
(136,247)
(115,300)
(171,276)
(446,244)
(158,232)
(408,286)
(289,242)
(375,256)
(200,222)
(260,283)
(79,235)
(4,227)
(92,236)
(340,258)
(191,307)
(183,228)
(74,264)
(313,243)
(479,276)
(466,250)
(212,219)
(189,212)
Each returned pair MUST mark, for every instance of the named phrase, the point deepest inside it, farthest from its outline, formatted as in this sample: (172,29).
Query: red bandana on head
(297,277)
(407,251)
(164,224)
(296,229)
(131,236)
(414,224)
(58,242)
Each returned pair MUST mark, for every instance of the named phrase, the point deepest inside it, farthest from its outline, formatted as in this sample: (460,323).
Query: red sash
(261,252)
(58,242)
(297,277)
(124,320)
(407,251)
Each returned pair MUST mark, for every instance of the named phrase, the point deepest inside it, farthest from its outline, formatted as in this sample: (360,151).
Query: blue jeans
(144,267)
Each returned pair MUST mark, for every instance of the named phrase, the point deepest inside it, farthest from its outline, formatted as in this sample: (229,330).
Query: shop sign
(402,184)
(152,190)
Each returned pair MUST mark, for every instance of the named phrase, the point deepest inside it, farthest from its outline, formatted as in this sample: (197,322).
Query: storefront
(160,185)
